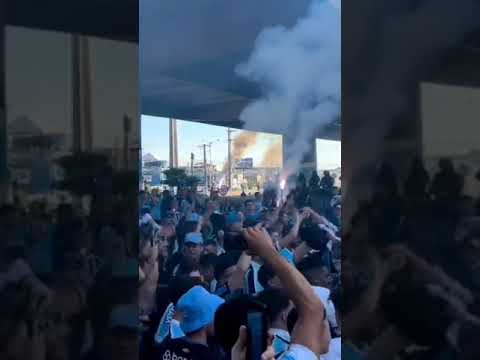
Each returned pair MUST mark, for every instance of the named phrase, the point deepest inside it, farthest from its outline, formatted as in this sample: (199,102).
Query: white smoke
(299,71)
(411,42)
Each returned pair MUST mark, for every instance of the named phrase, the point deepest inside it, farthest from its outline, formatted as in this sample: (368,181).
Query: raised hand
(239,350)
(259,241)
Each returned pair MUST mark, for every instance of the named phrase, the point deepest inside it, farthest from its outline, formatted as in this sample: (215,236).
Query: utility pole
(205,167)
(210,166)
(229,170)
(210,153)
(192,158)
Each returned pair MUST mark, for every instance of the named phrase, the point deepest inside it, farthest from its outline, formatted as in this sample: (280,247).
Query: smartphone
(257,335)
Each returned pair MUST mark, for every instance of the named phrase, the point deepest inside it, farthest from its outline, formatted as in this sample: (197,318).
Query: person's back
(197,308)
(327,181)
(417,181)
(182,349)
(447,183)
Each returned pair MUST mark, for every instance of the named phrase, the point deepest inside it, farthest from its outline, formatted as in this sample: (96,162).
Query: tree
(192,181)
(83,172)
(175,177)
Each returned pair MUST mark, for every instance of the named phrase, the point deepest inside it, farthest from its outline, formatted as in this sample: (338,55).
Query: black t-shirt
(181,349)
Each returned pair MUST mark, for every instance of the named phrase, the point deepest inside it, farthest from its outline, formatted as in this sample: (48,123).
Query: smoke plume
(242,143)
(273,156)
(299,71)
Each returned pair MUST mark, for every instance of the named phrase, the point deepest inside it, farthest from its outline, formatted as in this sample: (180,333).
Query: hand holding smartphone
(257,335)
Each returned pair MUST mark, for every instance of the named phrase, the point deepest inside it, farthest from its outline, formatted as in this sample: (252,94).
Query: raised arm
(311,329)
(293,234)
(243,264)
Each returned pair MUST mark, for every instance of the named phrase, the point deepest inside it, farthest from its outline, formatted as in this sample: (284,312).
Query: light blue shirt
(168,326)
(288,255)
(299,352)
(281,341)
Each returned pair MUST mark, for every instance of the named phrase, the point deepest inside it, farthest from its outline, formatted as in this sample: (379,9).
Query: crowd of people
(68,280)
(183,281)
(411,268)
(207,263)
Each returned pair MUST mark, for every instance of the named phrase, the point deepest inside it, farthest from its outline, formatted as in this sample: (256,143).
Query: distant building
(254,177)
(152,170)
(31,154)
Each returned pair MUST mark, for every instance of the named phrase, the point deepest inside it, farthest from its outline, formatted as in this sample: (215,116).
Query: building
(152,170)
(253,178)
(32,154)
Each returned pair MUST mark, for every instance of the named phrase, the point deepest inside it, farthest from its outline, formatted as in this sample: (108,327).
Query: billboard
(246,163)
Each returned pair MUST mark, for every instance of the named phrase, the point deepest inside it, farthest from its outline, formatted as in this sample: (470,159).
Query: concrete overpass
(187,58)
(188,54)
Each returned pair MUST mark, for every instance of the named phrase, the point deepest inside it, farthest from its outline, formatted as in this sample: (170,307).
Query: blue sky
(190,137)
(192,134)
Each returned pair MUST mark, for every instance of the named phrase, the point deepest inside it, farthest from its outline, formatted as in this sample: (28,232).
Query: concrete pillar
(76,104)
(81,94)
(173,144)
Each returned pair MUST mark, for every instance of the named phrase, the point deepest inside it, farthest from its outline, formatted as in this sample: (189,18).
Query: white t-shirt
(324,295)
(299,352)
(334,350)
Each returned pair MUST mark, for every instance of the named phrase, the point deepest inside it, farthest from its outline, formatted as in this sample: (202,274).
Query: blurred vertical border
(69,160)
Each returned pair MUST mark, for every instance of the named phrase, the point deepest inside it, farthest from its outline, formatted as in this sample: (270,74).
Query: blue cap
(198,307)
(233,218)
(194,238)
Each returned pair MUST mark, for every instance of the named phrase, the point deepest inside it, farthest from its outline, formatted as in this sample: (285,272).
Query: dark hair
(292,320)
(275,300)
(218,221)
(210,242)
(207,260)
(230,316)
(183,228)
(311,262)
(265,274)
(179,285)
(314,236)
(190,226)
(234,242)
(224,261)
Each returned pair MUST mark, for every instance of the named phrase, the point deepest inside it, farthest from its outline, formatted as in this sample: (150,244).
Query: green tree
(83,172)
(192,181)
(175,177)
